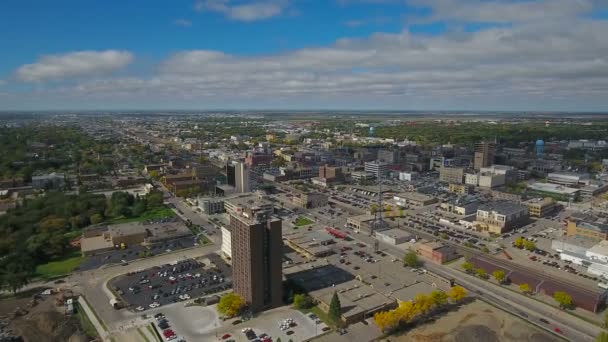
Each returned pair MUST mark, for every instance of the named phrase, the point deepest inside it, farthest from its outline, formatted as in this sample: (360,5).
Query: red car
(225,336)
(558,330)
(168,333)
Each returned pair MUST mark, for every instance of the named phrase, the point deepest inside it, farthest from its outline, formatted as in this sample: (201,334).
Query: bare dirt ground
(476,321)
(40,320)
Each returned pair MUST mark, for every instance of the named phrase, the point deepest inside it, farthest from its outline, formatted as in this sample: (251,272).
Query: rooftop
(502,207)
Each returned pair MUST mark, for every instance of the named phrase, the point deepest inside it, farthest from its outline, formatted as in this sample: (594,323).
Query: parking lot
(133,252)
(171,283)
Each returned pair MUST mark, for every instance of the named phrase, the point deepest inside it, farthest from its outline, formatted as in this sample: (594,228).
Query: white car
(139,308)
(154,305)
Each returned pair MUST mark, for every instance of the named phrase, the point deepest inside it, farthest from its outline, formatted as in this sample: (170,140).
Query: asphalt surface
(163,284)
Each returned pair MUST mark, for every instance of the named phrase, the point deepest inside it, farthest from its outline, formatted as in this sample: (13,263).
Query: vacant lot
(60,267)
(477,321)
(302,221)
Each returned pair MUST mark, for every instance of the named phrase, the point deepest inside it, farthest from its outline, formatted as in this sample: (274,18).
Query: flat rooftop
(95,243)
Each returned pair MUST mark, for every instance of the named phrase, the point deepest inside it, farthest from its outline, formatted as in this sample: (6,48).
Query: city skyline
(294,55)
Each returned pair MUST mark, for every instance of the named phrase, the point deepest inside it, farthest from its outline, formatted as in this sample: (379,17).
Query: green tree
(602,337)
(439,298)
(302,301)
(230,304)
(563,299)
(529,245)
(499,275)
(467,267)
(485,249)
(411,259)
(335,309)
(96,218)
(481,273)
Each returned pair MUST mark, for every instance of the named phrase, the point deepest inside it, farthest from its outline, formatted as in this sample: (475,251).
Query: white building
(242,174)
(408,176)
(489,180)
(226,242)
(471,179)
(377,168)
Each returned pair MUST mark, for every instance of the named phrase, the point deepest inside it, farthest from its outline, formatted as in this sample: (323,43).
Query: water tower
(540,148)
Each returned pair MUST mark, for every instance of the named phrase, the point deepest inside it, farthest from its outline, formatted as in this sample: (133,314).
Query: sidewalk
(100,329)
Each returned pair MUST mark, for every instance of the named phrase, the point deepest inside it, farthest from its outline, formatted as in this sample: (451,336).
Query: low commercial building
(393,236)
(509,172)
(500,217)
(560,191)
(414,199)
(313,244)
(587,225)
(541,207)
(359,223)
(211,206)
(436,251)
(101,239)
(490,180)
(461,188)
(310,200)
(463,205)
(567,178)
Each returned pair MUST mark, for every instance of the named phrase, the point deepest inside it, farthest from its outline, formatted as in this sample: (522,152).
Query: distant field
(149,215)
(302,221)
(60,267)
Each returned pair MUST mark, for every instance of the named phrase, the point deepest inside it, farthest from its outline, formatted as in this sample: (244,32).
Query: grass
(159,213)
(303,220)
(143,336)
(85,323)
(151,330)
(60,267)
(204,240)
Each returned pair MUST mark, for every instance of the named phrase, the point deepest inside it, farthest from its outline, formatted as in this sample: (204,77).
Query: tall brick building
(257,252)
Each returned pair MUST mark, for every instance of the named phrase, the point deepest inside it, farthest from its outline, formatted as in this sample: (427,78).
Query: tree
(335,309)
(499,275)
(386,320)
(457,293)
(481,273)
(525,288)
(467,267)
(302,301)
(563,299)
(439,298)
(411,259)
(96,218)
(230,304)
(485,249)
(422,304)
(373,209)
(602,337)
(529,245)
(519,242)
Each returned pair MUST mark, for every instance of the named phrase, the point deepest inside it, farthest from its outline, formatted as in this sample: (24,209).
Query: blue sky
(304,54)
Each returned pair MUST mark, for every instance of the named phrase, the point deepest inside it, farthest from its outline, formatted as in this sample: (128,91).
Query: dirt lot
(477,321)
(41,322)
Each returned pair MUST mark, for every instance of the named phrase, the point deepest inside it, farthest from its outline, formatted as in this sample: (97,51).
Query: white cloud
(183,22)
(254,11)
(504,11)
(560,63)
(81,63)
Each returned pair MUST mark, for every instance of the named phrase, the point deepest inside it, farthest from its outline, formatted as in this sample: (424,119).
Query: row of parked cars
(163,324)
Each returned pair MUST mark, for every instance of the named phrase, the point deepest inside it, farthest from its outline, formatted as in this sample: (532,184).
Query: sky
(506,55)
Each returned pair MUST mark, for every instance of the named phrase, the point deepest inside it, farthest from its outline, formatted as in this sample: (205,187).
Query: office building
(500,217)
(257,252)
(541,207)
(484,154)
(587,225)
(462,189)
(231,174)
(376,168)
(454,175)
(242,175)
(388,156)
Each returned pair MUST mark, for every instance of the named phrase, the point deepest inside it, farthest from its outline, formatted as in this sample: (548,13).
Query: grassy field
(302,221)
(60,267)
(85,322)
(148,215)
